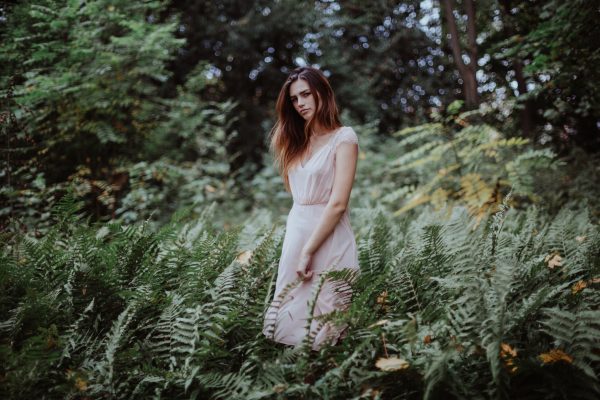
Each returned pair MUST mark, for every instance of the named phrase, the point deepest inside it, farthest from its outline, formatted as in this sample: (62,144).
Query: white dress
(311,185)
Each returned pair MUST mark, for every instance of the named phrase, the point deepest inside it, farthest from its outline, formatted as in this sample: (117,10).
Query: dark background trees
(91,88)
(393,61)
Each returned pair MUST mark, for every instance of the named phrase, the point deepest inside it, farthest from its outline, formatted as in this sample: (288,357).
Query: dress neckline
(333,135)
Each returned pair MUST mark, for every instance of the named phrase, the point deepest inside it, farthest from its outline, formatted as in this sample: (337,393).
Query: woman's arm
(345,168)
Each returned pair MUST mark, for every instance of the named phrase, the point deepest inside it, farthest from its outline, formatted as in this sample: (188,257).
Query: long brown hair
(291,133)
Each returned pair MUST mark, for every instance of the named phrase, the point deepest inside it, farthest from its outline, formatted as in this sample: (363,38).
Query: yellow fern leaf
(555,355)
(439,197)
(506,350)
(417,200)
(475,191)
(81,384)
(579,286)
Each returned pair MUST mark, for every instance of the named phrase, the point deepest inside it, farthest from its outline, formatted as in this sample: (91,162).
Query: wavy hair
(290,136)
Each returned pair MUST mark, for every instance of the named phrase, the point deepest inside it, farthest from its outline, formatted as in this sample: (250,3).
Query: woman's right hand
(304,268)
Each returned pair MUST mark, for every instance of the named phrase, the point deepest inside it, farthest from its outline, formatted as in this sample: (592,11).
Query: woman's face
(303,99)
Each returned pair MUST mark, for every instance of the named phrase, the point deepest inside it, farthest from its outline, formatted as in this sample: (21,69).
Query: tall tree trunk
(526,114)
(471,34)
(466,71)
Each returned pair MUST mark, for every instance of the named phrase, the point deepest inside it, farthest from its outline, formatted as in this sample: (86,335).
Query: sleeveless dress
(311,184)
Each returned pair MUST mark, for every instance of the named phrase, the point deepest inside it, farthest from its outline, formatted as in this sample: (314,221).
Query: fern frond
(578,333)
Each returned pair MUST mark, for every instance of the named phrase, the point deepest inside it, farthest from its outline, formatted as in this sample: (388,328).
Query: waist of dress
(316,203)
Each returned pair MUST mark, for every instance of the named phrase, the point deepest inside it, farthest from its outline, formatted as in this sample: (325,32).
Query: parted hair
(290,136)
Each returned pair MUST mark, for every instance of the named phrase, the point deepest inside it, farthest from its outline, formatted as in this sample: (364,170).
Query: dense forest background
(134,153)
(146,107)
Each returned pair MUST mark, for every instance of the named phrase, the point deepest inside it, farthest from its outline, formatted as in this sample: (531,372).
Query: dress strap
(347,135)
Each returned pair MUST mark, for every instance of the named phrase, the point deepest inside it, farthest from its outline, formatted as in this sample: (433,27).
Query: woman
(317,158)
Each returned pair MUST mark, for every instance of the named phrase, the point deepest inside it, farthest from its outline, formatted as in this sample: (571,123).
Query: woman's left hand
(304,270)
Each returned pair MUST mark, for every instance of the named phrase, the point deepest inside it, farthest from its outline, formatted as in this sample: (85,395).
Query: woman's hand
(304,270)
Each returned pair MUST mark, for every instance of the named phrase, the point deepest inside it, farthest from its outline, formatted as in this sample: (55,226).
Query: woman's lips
(303,111)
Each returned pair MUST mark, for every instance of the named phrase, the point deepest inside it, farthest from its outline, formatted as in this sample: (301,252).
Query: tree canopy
(90,87)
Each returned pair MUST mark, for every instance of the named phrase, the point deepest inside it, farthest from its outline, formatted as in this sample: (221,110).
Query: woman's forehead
(298,86)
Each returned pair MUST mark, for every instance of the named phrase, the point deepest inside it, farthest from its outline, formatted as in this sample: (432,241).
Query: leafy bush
(84,106)
(444,307)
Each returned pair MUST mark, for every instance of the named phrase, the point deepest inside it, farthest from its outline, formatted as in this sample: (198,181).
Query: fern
(472,166)
(578,334)
(180,311)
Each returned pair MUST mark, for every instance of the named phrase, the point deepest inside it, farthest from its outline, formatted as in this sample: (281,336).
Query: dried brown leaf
(392,364)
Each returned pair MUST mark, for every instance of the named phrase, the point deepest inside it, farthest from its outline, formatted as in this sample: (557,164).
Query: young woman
(317,158)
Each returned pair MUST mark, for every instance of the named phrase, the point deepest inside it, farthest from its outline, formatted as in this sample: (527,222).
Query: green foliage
(354,42)
(476,310)
(86,109)
(130,101)
(551,38)
(250,46)
(88,72)
(455,161)
(473,165)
